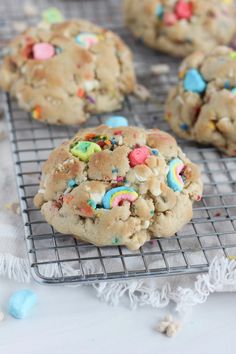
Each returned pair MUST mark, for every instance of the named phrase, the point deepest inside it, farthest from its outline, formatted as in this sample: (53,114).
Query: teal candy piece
(72,183)
(159,11)
(21,303)
(233,91)
(194,82)
(227,85)
(58,50)
(92,203)
(117,121)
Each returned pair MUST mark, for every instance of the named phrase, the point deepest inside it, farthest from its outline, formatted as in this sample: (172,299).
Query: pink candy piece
(169,19)
(43,51)
(138,156)
(183,9)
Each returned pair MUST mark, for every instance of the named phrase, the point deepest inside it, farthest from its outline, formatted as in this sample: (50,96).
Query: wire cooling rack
(212,229)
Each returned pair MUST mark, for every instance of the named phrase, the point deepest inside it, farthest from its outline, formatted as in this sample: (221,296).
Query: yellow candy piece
(231,258)
(211,125)
(85,149)
(233,55)
(181,74)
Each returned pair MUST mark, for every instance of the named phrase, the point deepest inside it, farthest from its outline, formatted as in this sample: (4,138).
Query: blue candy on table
(117,121)
(21,303)
(194,82)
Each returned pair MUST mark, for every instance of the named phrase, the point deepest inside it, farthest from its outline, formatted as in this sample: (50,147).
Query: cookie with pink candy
(118,186)
(72,69)
(179,27)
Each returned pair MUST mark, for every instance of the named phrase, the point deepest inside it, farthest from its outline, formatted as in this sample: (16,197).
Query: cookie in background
(64,72)
(179,27)
(202,106)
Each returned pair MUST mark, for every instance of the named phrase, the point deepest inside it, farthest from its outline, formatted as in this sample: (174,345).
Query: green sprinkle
(115,240)
(152,212)
(233,55)
(52,15)
(92,203)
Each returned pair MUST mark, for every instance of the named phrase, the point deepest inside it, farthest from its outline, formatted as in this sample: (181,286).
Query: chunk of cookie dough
(179,27)
(202,107)
(67,72)
(118,186)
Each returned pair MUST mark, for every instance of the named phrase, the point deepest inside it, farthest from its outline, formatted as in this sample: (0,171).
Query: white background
(72,320)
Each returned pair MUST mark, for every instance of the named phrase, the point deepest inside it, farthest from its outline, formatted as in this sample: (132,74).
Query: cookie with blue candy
(202,106)
(118,186)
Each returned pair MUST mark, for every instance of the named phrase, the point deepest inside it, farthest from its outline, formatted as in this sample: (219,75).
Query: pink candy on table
(183,9)
(138,156)
(43,51)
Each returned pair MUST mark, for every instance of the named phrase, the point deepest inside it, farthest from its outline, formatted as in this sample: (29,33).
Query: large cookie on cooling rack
(202,106)
(65,73)
(178,27)
(118,186)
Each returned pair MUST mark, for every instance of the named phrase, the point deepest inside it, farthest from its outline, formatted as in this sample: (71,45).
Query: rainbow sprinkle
(174,178)
(117,195)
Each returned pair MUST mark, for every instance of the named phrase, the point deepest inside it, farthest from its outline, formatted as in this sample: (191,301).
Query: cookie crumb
(30,9)
(142,92)
(168,326)
(14,207)
(19,26)
(160,69)
(231,258)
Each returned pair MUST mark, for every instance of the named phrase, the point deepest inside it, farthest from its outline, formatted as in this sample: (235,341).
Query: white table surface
(72,320)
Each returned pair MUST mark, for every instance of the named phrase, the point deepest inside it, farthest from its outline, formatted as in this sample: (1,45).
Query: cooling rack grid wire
(212,229)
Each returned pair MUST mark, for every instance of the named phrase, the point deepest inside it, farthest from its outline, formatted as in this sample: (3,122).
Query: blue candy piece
(117,121)
(184,126)
(72,183)
(21,303)
(159,11)
(194,81)
(227,85)
(155,152)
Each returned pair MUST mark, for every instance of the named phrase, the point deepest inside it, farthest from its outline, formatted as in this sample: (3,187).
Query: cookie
(202,106)
(67,72)
(118,186)
(179,27)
